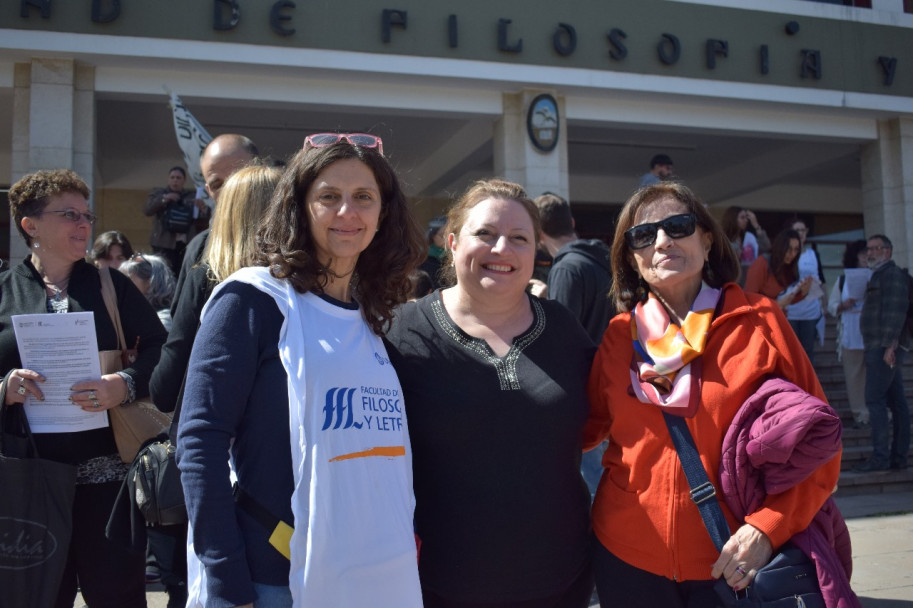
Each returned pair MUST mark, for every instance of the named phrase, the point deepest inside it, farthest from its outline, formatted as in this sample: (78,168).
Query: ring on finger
(21,380)
(95,403)
(92,395)
(741,570)
(21,390)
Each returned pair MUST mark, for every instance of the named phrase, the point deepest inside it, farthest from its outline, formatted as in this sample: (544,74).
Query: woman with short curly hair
(51,212)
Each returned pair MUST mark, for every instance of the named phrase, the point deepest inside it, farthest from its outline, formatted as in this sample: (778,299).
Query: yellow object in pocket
(281,539)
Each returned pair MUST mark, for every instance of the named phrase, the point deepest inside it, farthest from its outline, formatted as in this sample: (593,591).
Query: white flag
(192,138)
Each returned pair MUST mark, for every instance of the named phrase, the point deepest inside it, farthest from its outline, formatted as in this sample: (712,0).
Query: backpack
(178,217)
(154,483)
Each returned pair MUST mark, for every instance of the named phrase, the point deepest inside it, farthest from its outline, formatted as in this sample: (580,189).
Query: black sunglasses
(675,227)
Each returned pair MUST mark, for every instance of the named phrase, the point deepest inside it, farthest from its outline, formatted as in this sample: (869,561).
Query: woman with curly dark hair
(295,344)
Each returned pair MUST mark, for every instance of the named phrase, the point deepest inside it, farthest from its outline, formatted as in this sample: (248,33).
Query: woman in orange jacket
(774,277)
(692,344)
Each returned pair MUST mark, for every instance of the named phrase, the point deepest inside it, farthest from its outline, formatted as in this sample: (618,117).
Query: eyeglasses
(675,227)
(73,215)
(363,140)
(876,248)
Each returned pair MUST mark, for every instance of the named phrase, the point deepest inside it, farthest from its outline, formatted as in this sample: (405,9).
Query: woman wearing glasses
(289,375)
(691,344)
(50,211)
(494,381)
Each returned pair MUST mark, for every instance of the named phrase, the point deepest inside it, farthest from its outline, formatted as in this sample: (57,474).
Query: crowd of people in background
(410,414)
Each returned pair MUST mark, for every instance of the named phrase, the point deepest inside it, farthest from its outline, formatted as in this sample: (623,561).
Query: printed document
(63,349)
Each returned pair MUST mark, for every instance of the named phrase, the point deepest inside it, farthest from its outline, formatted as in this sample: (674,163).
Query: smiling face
(57,237)
(671,267)
(343,206)
(495,251)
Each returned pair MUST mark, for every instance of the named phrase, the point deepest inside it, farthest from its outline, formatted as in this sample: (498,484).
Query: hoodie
(580,279)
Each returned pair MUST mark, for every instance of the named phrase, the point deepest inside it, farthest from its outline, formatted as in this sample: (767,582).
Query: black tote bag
(36,515)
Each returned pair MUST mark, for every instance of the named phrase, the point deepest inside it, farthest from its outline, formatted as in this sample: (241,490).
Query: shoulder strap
(702,491)
(110,298)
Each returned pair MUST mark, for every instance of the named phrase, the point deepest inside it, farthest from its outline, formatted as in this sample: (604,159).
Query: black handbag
(36,515)
(788,580)
(790,572)
(155,483)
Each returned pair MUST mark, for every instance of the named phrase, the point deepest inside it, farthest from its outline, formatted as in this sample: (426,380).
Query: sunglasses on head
(363,140)
(675,227)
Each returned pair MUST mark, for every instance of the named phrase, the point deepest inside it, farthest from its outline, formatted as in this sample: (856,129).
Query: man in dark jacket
(581,274)
(166,240)
(883,327)
(580,278)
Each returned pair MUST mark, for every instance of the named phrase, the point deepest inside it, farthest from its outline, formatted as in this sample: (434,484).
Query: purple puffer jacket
(778,438)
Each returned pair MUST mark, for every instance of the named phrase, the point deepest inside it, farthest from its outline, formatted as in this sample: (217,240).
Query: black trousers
(621,585)
(577,595)
(168,551)
(107,574)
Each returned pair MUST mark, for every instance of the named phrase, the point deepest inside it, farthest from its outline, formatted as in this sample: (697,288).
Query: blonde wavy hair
(242,203)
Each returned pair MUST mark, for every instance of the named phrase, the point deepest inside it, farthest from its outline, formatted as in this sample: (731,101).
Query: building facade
(782,106)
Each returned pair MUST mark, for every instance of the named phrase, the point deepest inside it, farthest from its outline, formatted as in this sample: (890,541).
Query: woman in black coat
(51,212)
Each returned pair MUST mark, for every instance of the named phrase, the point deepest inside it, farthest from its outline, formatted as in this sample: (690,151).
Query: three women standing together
(471,439)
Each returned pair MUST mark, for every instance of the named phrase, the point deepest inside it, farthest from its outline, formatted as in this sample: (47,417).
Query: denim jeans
(883,391)
(807,332)
(591,467)
(272,596)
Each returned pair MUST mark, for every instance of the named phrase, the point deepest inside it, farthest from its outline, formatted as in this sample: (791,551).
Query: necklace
(59,288)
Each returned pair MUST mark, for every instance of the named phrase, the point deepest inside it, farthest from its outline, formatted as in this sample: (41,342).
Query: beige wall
(123,210)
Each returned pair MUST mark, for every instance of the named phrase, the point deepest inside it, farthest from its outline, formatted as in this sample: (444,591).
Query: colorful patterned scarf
(661,372)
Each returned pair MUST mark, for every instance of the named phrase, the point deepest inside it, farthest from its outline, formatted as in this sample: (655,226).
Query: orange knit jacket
(643,513)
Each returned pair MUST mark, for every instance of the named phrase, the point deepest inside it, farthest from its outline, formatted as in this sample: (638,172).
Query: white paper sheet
(63,349)
(857,280)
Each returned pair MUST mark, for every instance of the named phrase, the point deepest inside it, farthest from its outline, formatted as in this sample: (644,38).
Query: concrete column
(887,186)
(515,157)
(53,124)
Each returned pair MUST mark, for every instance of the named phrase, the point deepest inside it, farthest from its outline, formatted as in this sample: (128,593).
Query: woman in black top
(50,211)
(494,383)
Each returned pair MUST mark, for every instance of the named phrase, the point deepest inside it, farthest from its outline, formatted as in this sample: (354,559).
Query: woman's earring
(641,291)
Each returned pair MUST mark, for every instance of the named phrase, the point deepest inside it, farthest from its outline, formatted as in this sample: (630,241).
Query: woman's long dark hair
(730,223)
(381,278)
(786,274)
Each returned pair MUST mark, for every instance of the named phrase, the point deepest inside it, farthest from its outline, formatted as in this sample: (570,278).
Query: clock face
(542,122)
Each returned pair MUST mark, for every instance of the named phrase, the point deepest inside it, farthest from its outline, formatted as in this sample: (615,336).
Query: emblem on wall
(542,122)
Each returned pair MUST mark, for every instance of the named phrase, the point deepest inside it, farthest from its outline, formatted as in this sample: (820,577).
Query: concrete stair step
(857,443)
(880,482)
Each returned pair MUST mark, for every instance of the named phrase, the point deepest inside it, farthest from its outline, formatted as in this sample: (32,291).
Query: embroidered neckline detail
(506,367)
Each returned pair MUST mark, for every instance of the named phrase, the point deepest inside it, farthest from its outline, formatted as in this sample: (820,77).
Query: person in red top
(772,278)
(688,342)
